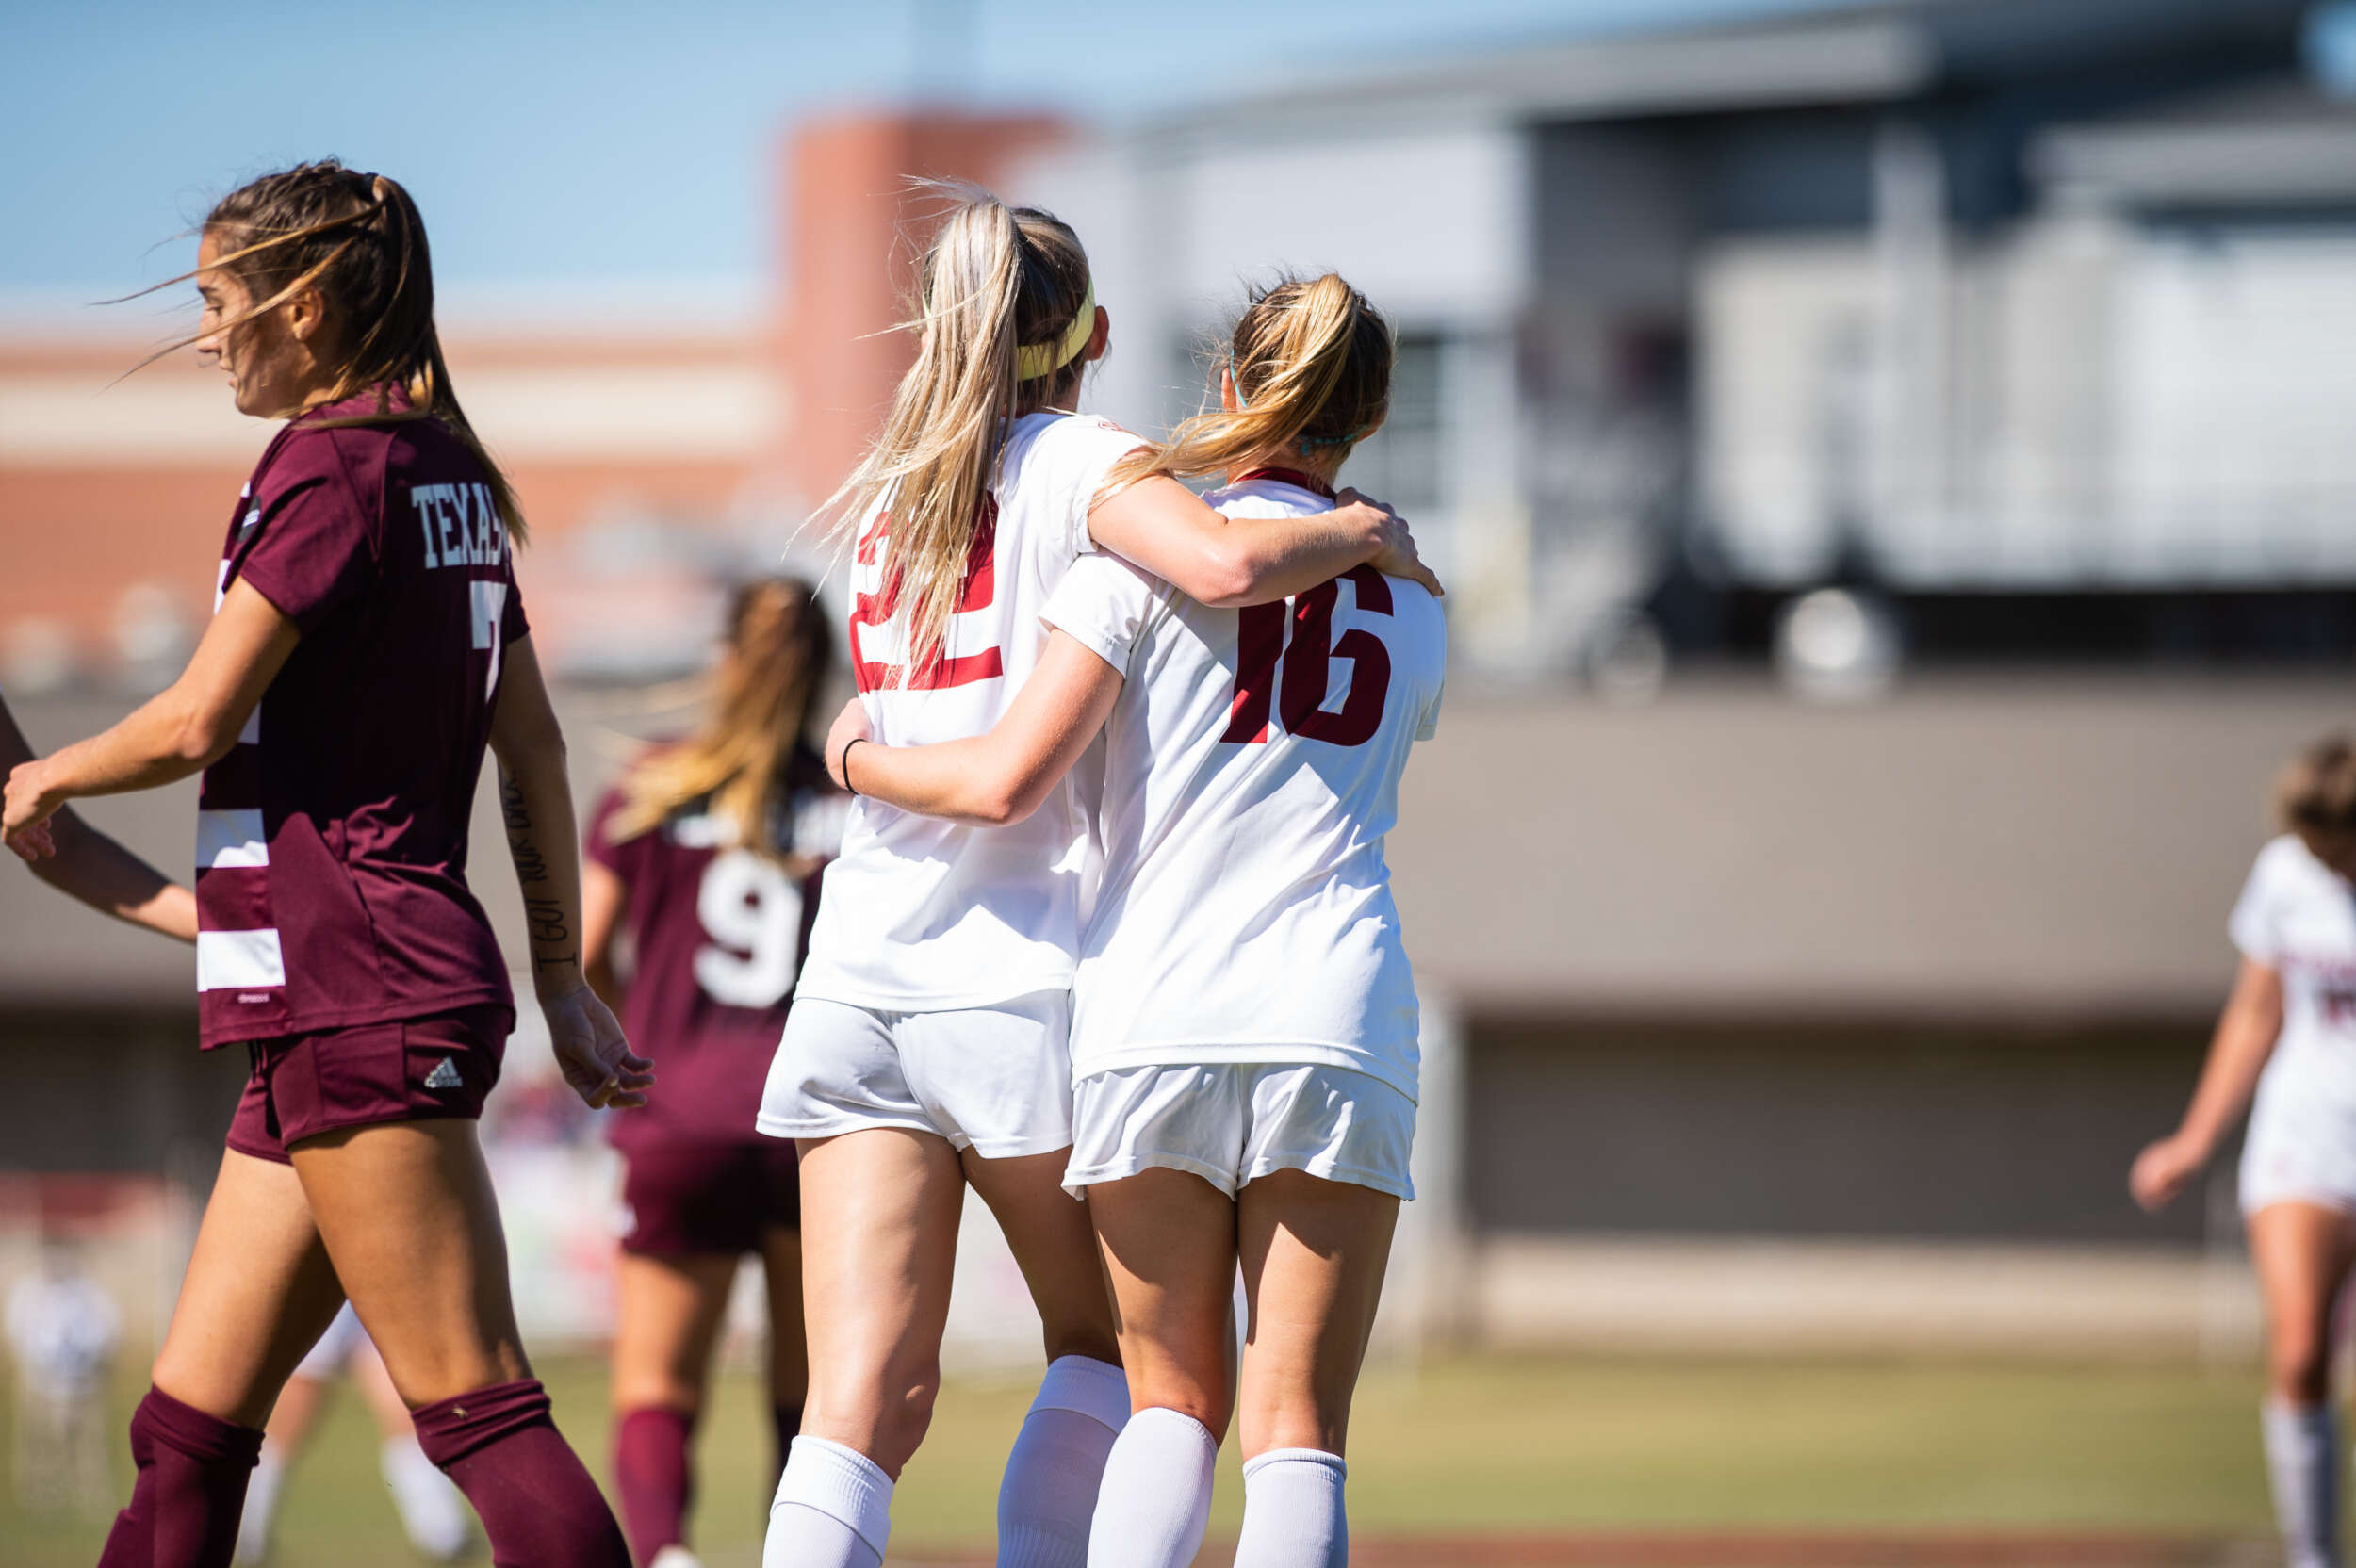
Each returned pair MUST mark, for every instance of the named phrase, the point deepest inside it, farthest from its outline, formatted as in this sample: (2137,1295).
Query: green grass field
(1526,1448)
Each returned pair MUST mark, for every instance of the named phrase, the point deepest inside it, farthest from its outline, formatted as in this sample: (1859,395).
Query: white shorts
(2298,1150)
(330,1356)
(1231,1122)
(996,1080)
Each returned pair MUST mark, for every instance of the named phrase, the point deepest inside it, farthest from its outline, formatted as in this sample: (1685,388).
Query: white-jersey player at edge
(928,1043)
(2288,1038)
(1245,1039)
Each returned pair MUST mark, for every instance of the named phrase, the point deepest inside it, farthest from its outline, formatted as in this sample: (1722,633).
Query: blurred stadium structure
(1983,332)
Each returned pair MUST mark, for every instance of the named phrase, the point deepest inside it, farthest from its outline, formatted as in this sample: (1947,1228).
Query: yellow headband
(1045,359)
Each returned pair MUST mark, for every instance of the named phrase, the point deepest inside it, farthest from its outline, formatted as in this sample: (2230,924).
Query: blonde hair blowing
(1312,366)
(996,280)
(742,759)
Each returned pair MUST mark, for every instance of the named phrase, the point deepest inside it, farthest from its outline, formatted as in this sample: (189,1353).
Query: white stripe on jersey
(233,960)
(230,838)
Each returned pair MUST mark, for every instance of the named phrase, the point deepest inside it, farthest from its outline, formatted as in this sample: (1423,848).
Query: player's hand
(850,725)
(29,805)
(2162,1170)
(595,1059)
(1395,551)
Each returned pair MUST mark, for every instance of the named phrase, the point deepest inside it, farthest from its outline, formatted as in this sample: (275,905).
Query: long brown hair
(996,280)
(1310,360)
(742,758)
(359,240)
(2315,796)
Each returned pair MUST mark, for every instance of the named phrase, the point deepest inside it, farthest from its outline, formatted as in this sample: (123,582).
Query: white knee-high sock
(433,1510)
(1292,1511)
(833,1509)
(1155,1498)
(261,1506)
(2302,1461)
(1048,1494)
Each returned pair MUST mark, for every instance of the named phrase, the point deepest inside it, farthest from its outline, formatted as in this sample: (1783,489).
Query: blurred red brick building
(112,487)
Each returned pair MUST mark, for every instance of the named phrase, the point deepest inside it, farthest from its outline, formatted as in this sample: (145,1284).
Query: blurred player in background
(704,862)
(1244,1039)
(367,646)
(2288,1037)
(431,1512)
(81,862)
(927,1043)
(63,1330)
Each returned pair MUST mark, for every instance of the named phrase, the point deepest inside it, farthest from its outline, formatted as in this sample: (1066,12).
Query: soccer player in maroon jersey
(367,646)
(707,855)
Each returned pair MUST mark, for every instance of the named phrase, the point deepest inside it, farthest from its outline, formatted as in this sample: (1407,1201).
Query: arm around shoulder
(995,779)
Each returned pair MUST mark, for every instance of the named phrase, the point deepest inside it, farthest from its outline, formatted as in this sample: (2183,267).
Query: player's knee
(675,1395)
(1207,1397)
(884,1417)
(1094,1340)
(2299,1366)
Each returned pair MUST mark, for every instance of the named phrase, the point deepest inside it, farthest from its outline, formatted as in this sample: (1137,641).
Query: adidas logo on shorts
(445,1076)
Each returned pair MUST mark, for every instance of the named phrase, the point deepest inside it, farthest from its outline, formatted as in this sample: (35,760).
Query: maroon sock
(190,1488)
(787,1420)
(652,1472)
(538,1503)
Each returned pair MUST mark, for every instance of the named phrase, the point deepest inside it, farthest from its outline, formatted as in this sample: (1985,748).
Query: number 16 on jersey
(1306,665)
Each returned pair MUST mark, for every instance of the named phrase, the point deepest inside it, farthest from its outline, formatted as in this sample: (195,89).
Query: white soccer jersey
(1251,769)
(2297,917)
(918,915)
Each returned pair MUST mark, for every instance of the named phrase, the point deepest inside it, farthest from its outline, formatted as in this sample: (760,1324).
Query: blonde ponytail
(1312,367)
(996,281)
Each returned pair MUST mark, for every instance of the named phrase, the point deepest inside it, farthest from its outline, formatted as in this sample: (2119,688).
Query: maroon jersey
(718,933)
(331,886)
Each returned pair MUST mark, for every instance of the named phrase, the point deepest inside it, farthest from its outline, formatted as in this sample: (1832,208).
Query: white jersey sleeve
(2255,925)
(1107,604)
(918,915)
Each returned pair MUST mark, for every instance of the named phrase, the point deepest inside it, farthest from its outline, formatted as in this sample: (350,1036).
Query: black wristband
(844,763)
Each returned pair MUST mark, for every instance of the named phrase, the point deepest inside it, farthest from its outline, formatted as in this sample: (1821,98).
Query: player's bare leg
(432,1512)
(881,1209)
(1048,1494)
(789,1337)
(879,1238)
(407,1213)
(666,1323)
(258,1293)
(2301,1253)
(1168,1239)
(1312,1253)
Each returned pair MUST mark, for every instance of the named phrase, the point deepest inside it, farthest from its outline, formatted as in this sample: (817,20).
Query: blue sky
(598,143)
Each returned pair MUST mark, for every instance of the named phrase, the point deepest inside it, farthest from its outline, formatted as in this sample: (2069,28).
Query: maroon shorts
(417,1070)
(686,1198)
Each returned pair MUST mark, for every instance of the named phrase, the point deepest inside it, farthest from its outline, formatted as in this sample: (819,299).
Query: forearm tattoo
(544,917)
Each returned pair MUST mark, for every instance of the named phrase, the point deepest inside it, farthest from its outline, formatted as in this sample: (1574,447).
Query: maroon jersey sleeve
(310,545)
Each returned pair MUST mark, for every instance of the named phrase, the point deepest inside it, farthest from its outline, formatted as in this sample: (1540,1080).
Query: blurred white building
(1970,301)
